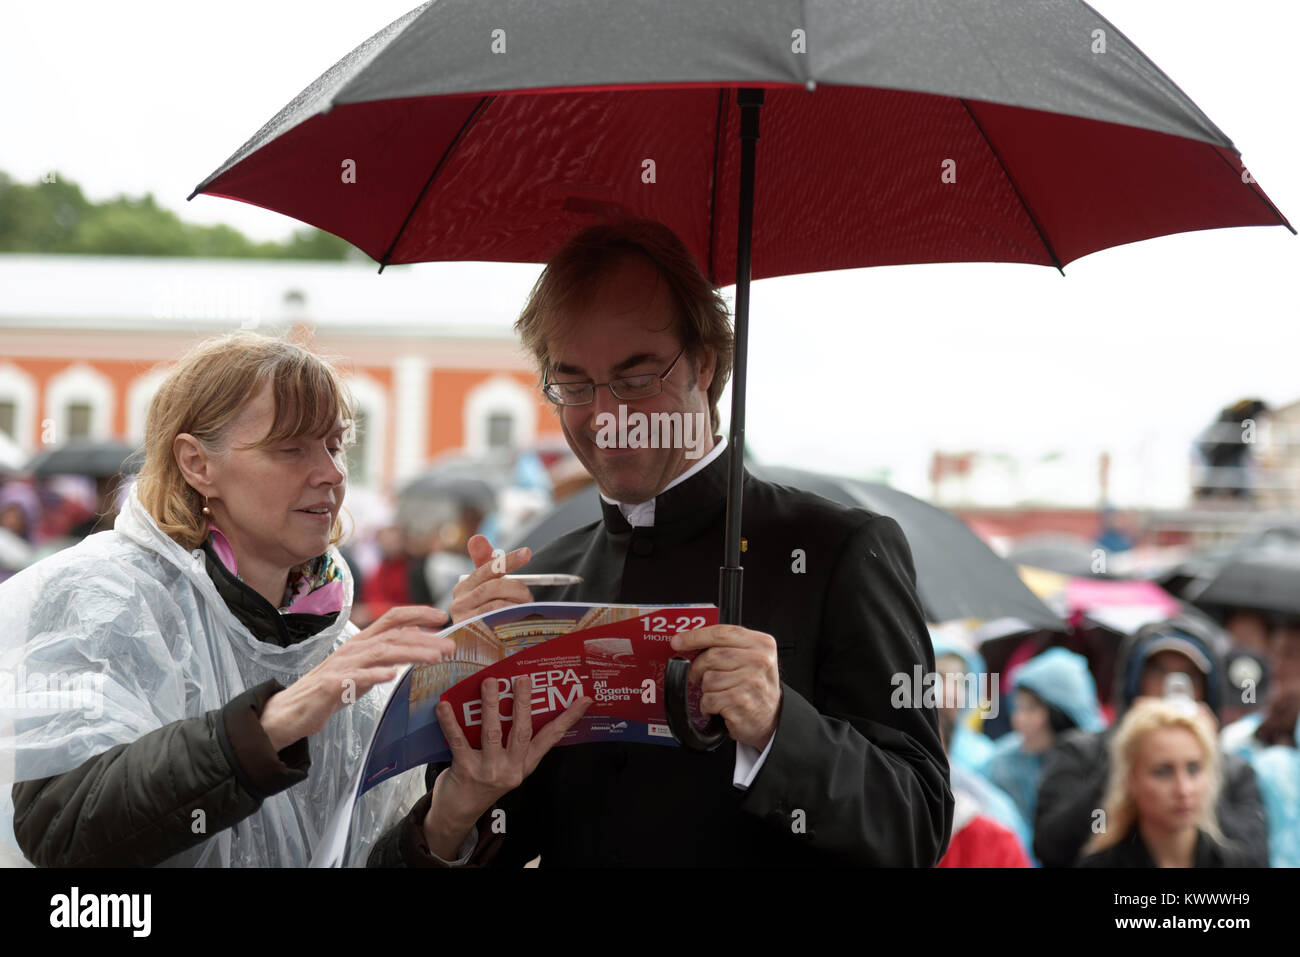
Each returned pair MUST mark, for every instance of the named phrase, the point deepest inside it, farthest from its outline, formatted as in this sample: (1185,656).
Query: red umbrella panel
(846,177)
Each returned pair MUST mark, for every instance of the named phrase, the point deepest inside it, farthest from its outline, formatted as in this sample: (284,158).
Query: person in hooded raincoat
(1268,740)
(188,688)
(1075,770)
(1052,693)
(954,652)
(987,830)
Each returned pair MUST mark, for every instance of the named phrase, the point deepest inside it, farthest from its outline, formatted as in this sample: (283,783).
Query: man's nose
(602,402)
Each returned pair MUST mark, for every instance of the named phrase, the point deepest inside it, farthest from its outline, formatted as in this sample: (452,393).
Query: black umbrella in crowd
(894,131)
(1064,554)
(1259,579)
(94,458)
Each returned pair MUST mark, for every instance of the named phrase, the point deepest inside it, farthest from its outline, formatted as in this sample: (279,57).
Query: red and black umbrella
(893,131)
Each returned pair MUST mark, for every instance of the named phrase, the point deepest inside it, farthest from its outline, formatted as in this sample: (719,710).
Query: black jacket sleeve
(138,804)
(866,781)
(1069,792)
(1242,816)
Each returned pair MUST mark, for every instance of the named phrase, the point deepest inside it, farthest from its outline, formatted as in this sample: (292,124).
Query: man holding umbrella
(825,766)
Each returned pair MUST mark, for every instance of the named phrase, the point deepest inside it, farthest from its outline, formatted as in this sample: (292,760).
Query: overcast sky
(1133,351)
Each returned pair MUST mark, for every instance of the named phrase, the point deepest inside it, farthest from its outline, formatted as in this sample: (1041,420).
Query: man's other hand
(736,670)
(487,588)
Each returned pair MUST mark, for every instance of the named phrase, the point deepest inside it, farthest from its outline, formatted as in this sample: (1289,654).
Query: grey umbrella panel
(1059,56)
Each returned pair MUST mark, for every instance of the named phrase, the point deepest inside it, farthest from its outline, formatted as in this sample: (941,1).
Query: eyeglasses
(628,388)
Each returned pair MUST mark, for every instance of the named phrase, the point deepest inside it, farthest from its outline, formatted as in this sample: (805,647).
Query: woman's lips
(318,516)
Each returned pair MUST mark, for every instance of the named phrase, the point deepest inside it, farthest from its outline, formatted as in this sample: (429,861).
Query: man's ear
(705,366)
(193,461)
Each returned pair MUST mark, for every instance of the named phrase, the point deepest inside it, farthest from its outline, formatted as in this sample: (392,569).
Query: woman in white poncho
(186,688)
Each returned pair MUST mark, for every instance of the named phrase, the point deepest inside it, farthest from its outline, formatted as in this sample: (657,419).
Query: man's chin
(623,476)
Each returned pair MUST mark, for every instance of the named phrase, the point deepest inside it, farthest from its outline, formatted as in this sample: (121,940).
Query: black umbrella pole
(730,575)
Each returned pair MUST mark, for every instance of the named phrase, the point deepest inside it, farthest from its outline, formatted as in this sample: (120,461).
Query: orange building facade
(85,342)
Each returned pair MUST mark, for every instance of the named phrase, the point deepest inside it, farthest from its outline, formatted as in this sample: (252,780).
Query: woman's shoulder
(105,565)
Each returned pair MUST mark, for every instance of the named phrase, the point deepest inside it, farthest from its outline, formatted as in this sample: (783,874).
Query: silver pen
(541,579)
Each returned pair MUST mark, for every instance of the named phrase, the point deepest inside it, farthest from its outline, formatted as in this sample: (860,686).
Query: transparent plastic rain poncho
(125,633)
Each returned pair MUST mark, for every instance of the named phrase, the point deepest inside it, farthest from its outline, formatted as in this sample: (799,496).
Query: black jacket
(134,804)
(1133,852)
(850,779)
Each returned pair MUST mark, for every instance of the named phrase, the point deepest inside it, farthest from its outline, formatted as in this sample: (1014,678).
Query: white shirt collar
(643,515)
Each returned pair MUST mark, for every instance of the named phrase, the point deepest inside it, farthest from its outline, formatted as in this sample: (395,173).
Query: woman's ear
(192,459)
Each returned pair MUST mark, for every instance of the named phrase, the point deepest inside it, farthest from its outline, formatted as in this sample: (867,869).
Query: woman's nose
(330,468)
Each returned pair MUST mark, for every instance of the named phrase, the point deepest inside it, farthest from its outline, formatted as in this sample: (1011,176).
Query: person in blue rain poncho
(1052,693)
(956,660)
(955,654)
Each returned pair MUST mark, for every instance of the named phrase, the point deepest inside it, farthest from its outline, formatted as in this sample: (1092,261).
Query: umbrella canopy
(86,457)
(1063,554)
(435,499)
(957,575)
(1121,605)
(892,132)
(1261,579)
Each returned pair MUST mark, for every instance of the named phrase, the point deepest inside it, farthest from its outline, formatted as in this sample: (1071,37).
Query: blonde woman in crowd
(1163,788)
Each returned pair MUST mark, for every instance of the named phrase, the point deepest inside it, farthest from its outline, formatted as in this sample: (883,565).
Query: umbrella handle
(679,722)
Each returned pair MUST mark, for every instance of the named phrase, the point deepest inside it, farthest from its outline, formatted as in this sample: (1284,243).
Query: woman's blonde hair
(206,392)
(1148,715)
(574,272)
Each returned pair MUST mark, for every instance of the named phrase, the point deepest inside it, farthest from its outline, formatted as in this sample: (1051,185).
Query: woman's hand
(400,636)
(476,779)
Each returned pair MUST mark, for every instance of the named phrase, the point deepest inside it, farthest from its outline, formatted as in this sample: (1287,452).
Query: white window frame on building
(498,396)
(372,401)
(19,388)
(77,385)
(138,397)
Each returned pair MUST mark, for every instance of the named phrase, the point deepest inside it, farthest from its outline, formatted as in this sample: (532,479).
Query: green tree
(56,218)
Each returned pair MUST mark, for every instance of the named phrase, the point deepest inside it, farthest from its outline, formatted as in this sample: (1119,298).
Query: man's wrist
(445,828)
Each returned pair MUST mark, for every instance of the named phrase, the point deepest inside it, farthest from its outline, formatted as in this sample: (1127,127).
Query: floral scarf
(314,588)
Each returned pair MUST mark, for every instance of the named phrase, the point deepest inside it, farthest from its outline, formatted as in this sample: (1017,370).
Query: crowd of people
(1162,781)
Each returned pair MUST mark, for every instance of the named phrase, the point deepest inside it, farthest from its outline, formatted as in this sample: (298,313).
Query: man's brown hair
(580,264)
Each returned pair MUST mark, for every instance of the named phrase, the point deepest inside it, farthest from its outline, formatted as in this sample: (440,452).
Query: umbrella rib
(451,148)
(1042,236)
(1254,188)
(718,130)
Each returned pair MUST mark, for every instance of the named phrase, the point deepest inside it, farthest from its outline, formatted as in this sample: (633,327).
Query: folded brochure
(614,654)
